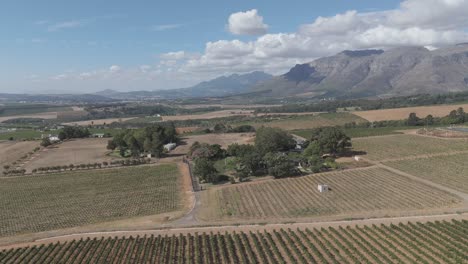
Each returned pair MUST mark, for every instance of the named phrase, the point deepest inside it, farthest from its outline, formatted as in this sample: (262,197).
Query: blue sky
(84,46)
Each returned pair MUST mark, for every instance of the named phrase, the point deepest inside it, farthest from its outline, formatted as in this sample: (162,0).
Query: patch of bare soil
(47,115)
(403,113)
(78,151)
(98,121)
(11,151)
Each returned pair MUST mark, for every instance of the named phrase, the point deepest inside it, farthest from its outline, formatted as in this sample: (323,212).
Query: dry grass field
(11,151)
(56,201)
(47,115)
(366,190)
(209,115)
(308,121)
(430,242)
(450,170)
(403,113)
(98,121)
(76,151)
(395,147)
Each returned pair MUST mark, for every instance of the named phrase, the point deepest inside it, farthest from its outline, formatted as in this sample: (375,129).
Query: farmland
(450,170)
(26,109)
(77,151)
(21,134)
(403,113)
(359,132)
(353,191)
(430,242)
(11,151)
(295,122)
(403,146)
(56,201)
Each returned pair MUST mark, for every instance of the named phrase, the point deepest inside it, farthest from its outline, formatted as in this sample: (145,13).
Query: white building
(170,146)
(54,138)
(322,188)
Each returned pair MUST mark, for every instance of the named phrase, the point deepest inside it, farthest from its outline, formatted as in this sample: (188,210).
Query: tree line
(149,140)
(368,104)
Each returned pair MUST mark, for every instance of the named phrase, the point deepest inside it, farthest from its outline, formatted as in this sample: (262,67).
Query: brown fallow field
(48,115)
(97,121)
(79,151)
(11,151)
(403,113)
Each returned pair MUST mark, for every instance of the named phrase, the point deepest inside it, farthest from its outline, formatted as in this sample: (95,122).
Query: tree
(270,139)
(280,166)
(413,120)
(111,145)
(328,140)
(46,142)
(205,170)
(429,120)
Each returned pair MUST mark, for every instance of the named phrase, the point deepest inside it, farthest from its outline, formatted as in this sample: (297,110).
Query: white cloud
(114,68)
(247,23)
(67,25)
(176,55)
(166,27)
(432,23)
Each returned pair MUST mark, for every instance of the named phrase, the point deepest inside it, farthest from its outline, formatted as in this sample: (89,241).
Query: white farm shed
(322,188)
(170,146)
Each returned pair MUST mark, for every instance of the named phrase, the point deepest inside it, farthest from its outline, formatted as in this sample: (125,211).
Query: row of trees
(272,154)
(147,140)
(97,165)
(458,116)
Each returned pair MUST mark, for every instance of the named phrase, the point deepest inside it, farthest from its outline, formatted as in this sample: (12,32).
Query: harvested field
(11,151)
(56,201)
(403,113)
(431,242)
(450,170)
(353,191)
(209,115)
(77,151)
(47,115)
(222,139)
(227,106)
(396,147)
(308,121)
(97,121)
(359,132)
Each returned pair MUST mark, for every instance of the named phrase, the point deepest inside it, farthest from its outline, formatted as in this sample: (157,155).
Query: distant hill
(221,86)
(371,73)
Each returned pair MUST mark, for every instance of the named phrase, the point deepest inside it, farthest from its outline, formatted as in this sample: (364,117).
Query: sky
(58,46)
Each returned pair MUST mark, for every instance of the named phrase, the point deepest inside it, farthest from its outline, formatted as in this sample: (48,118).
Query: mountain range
(376,73)
(349,74)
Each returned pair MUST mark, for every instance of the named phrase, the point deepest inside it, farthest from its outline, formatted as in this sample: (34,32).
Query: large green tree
(270,139)
(328,140)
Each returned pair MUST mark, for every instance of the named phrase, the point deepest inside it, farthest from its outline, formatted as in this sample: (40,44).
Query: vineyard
(352,191)
(402,146)
(431,242)
(451,170)
(47,202)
